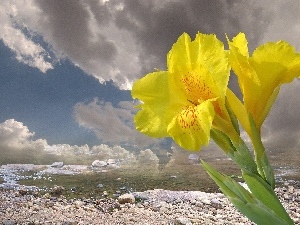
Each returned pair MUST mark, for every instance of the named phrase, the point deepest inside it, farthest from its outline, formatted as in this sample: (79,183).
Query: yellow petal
(152,90)
(239,60)
(282,53)
(256,96)
(150,123)
(179,58)
(191,127)
(267,108)
(260,75)
(239,110)
(206,51)
(241,43)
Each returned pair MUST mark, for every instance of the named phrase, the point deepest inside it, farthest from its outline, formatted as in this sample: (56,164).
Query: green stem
(263,165)
(237,151)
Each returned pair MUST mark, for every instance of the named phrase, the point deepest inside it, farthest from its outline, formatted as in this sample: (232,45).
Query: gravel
(150,207)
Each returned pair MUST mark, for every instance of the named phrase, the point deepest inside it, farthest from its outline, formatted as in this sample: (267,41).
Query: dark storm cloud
(285,22)
(281,129)
(69,23)
(101,12)
(157,26)
(122,40)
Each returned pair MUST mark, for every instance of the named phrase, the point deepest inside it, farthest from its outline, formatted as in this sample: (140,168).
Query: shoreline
(85,180)
(150,207)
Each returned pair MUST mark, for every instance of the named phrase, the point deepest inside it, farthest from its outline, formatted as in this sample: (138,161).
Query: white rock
(183,221)
(111,161)
(206,201)
(98,163)
(216,203)
(113,166)
(194,157)
(126,198)
(78,204)
(57,164)
(163,210)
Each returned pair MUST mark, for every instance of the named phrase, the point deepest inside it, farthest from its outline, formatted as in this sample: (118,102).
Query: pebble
(100,186)
(154,207)
(9,222)
(183,221)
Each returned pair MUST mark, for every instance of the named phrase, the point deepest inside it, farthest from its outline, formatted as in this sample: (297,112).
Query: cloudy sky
(67,65)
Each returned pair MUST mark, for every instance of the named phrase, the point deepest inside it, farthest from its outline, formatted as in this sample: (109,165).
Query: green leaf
(243,200)
(228,186)
(233,117)
(258,213)
(263,192)
(222,140)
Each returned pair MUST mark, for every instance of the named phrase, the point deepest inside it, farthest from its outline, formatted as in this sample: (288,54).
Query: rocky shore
(149,207)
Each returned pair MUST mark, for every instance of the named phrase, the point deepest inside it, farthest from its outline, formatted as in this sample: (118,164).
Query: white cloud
(13,36)
(14,134)
(148,157)
(131,159)
(147,160)
(66,149)
(116,152)
(111,124)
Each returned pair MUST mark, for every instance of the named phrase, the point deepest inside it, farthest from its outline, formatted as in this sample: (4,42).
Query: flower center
(188,118)
(196,88)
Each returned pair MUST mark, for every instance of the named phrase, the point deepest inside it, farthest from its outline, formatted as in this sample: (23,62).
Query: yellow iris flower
(183,101)
(260,77)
